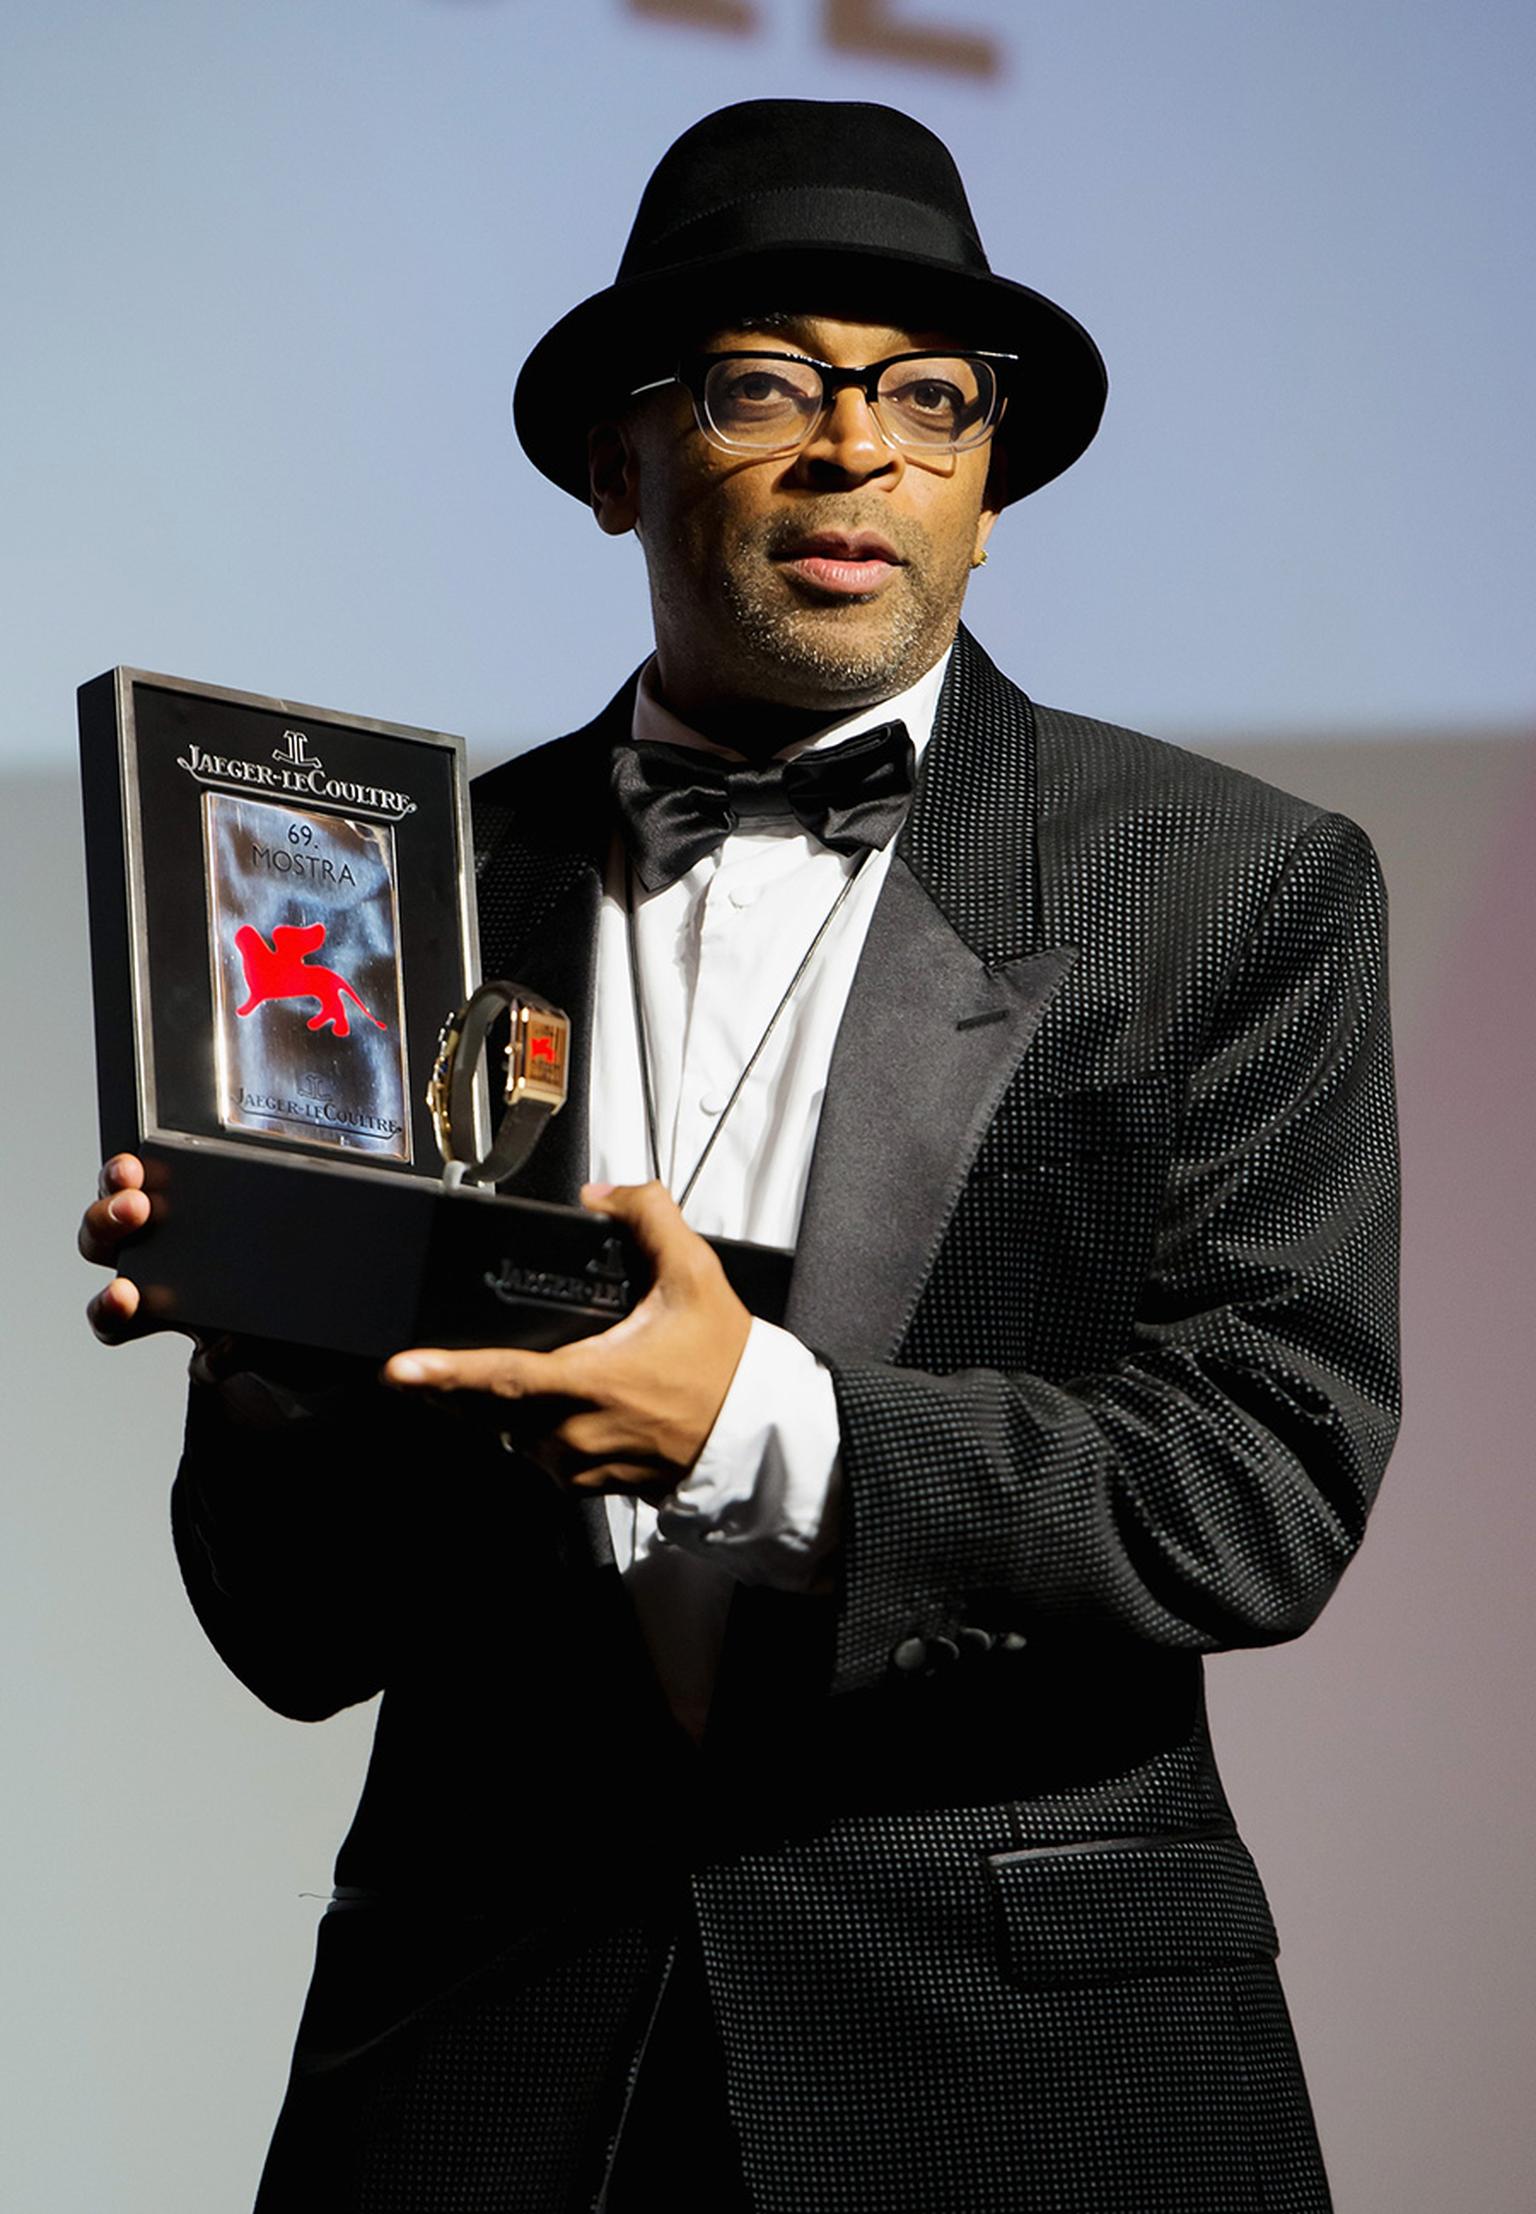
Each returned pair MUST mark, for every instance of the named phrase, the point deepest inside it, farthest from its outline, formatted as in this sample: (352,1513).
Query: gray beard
(813,657)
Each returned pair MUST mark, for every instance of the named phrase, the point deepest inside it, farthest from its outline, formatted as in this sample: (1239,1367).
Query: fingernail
(116,1212)
(600,1191)
(403,1369)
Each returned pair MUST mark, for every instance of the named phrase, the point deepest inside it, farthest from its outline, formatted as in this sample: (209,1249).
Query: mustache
(847,519)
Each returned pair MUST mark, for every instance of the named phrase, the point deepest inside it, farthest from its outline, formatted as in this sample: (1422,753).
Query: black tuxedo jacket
(1099,1246)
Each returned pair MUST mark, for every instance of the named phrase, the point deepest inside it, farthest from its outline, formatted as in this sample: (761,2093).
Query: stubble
(834,650)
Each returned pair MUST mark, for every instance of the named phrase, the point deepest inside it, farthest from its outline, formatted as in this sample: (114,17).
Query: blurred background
(266,274)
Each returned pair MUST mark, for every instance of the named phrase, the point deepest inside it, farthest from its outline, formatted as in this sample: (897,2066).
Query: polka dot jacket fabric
(976,1923)
(1154,1367)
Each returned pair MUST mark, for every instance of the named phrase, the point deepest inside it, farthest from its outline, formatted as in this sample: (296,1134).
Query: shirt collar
(916,706)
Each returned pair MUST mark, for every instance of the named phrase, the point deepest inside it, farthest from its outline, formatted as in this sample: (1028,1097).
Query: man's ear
(614,477)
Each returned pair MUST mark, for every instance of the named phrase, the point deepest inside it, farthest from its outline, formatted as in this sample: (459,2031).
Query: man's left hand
(631,1408)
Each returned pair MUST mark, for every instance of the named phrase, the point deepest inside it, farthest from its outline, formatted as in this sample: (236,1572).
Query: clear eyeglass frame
(695,373)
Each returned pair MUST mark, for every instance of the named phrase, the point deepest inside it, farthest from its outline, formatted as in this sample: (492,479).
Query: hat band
(790,219)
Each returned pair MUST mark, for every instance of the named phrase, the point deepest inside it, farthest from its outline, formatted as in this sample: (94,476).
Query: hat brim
(583,370)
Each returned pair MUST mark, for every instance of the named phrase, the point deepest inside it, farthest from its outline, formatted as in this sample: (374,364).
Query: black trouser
(677,2147)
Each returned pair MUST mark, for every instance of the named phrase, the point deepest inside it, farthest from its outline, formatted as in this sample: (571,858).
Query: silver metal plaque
(304,947)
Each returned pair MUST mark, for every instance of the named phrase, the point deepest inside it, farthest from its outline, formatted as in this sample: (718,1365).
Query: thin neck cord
(642,1040)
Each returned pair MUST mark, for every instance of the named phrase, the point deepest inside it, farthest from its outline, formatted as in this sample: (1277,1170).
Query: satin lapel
(950,988)
(541,834)
(542,828)
(929,1042)
(559,960)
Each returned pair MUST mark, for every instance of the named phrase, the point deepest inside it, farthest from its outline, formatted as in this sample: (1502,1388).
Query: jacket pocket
(1113,1908)
(1035,1129)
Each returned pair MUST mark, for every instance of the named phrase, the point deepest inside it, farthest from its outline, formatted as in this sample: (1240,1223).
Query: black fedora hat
(815,206)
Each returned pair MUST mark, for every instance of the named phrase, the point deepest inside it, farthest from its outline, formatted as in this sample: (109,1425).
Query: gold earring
(981,559)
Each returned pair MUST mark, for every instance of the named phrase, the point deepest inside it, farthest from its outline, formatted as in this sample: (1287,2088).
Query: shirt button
(742,895)
(711,1103)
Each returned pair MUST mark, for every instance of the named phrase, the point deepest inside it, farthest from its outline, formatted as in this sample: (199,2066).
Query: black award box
(282,925)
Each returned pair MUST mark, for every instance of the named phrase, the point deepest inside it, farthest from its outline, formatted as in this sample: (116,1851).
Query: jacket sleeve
(1207,1488)
(290,1516)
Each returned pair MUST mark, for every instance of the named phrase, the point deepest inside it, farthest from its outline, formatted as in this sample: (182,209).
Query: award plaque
(289,1034)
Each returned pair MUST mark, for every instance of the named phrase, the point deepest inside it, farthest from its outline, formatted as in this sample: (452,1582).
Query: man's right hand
(121,1208)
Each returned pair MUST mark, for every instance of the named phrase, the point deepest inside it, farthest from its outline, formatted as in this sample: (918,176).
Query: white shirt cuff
(761,1501)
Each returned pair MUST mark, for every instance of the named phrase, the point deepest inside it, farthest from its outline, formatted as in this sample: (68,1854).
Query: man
(804,1802)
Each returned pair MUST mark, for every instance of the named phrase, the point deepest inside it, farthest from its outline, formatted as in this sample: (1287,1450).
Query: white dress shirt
(715,952)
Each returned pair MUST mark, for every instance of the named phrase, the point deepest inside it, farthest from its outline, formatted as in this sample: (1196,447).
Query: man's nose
(848,440)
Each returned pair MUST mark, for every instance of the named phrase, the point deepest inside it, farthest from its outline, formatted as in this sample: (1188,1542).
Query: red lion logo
(282,970)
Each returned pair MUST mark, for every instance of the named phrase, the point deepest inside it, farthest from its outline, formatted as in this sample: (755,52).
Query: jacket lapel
(541,836)
(541,829)
(949,990)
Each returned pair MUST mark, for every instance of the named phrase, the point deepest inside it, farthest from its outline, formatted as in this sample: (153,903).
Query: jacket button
(974,1641)
(1013,1641)
(943,1649)
(910,1655)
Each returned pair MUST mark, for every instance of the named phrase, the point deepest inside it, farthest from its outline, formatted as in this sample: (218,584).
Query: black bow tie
(677,804)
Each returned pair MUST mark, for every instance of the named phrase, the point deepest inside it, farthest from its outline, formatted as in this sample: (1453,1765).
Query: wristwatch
(537,1055)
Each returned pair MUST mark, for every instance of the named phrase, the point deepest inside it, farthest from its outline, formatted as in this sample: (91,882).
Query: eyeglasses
(766,403)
